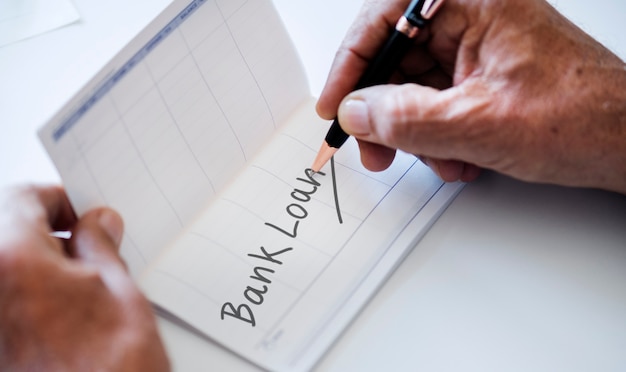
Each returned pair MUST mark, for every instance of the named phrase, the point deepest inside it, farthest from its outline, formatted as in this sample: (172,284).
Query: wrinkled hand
(69,305)
(511,86)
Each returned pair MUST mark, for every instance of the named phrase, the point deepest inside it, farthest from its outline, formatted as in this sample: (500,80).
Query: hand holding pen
(508,85)
(382,66)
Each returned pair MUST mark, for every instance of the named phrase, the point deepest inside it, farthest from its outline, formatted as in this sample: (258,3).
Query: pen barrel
(386,62)
(378,72)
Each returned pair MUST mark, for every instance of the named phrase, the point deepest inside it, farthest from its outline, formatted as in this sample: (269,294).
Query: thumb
(97,237)
(413,118)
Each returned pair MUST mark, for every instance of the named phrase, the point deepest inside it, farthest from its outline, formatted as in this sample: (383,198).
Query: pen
(382,67)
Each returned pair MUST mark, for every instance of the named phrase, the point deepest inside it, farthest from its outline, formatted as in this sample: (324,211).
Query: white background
(513,277)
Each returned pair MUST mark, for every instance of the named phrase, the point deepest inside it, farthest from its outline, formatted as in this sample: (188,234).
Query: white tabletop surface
(513,276)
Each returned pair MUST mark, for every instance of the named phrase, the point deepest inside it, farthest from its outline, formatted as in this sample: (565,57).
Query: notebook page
(165,126)
(281,261)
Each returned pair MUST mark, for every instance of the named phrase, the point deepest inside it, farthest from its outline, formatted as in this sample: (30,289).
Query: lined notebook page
(175,116)
(200,133)
(269,265)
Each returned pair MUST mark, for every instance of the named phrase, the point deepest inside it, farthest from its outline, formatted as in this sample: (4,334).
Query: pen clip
(417,15)
(429,8)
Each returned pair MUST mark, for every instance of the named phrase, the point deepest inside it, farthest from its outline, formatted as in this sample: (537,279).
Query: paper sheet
(174,117)
(273,261)
(199,133)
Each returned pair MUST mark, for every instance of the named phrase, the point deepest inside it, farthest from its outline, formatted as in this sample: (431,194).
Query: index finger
(365,37)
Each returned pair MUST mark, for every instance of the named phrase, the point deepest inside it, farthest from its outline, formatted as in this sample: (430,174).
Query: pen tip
(323,156)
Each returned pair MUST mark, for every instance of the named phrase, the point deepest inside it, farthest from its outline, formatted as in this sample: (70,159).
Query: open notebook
(199,133)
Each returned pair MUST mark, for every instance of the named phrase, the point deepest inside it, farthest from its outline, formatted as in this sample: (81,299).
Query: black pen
(382,67)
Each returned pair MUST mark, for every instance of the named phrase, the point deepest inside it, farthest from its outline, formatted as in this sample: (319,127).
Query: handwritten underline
(332,172)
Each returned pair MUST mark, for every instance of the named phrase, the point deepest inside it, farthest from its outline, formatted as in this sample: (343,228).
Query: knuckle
(17,192)
(92,276)
(13,263)
(399,116)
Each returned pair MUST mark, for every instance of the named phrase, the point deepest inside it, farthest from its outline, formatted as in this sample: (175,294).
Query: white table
(513,277)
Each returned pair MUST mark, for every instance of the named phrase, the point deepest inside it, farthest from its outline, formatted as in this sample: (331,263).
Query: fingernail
(354,117)
(112,224)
